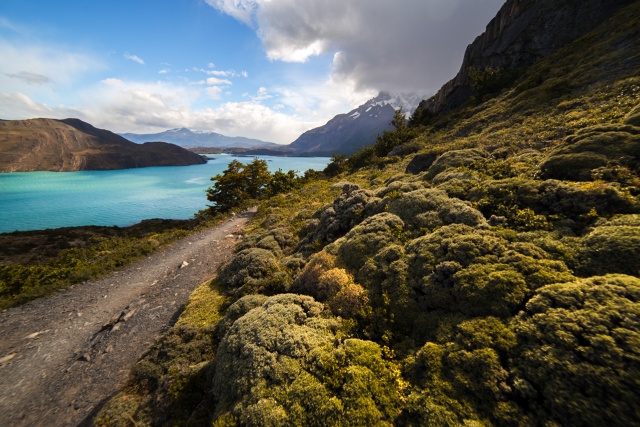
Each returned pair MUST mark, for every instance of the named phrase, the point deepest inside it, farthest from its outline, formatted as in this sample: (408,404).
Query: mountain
(523,32)
(188,138)
(346,133)
(73,145)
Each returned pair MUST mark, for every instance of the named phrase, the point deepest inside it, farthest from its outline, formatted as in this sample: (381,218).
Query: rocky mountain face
(346,133)
(188,138)
(522,32)
(73,145)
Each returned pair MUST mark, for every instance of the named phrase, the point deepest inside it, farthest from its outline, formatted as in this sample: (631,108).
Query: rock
(522,32)
(184,264)
(420,163)
(7,358)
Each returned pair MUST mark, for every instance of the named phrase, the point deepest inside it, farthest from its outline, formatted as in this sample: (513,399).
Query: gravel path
(63,355)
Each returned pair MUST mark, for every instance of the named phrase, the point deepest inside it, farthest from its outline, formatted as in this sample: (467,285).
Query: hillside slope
(489,278)
(73,145)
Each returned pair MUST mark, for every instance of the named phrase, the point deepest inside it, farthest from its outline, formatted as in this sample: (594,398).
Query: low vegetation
(477,268)
(34,264)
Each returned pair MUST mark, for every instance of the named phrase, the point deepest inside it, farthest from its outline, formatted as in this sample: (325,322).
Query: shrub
(428,209)
(611,249)
(335,220)
(248,269)
(460,270)
(593,148)
(577,364)
(454,159)
(281,363)
(366,239)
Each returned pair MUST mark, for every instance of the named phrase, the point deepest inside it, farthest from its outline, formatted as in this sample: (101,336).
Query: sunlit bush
(578,360)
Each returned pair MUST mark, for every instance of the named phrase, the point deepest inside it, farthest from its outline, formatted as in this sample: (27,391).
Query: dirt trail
(61,356)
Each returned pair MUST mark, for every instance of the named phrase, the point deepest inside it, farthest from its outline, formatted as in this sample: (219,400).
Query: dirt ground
(61,356)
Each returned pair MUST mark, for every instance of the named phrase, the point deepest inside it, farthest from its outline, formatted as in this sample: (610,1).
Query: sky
(265,69)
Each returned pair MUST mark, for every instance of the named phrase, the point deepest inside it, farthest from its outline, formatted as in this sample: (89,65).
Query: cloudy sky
(267,69)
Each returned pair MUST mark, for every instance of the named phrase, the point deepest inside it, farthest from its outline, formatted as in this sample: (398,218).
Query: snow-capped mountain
(346,133)
(189,138)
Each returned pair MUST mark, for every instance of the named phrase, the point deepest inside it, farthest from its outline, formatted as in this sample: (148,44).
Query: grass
(37,263)
(204,306)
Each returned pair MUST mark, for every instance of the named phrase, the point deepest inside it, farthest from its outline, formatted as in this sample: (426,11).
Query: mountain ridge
(72,145)
(347,133)
(185,137)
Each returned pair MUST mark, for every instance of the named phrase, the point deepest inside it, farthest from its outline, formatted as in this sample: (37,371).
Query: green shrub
(282,364)
(611,249)
(454,159)
(366,239)
(578,359)
(593,148)
(248,269)
(428,209)
(335,220)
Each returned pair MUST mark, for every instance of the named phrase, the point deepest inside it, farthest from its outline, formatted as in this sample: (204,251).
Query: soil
(61,356)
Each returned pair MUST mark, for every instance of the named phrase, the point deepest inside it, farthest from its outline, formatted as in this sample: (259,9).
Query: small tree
(399,120)
(256,176)
(282,182)
(228,192)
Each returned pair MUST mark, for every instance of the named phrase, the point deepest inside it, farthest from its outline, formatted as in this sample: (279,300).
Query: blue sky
(267,69)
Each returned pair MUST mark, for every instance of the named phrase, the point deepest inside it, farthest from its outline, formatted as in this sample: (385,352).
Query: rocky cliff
(72,145)
(522,32)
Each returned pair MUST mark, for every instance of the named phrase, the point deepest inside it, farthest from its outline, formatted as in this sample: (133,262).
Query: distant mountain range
(189,138)
(73,145)
(346,133)
(343,134)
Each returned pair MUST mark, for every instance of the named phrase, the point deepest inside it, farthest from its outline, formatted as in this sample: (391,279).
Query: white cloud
(42,70)
(31,78)
(164,71)
(384,45)
(242,10)
(134,58)
(217,81)
(221,73)
(214,92)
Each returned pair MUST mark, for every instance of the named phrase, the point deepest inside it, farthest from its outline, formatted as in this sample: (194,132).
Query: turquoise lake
(40,200)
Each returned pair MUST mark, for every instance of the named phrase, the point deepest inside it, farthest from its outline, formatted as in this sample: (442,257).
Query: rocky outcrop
(522,32)
(73,145)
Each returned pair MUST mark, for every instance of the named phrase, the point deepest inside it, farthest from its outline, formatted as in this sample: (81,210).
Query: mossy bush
(253,270)
(367,238)
(167,386)
(593,148)
(454,159)
(586,333)
(283,364)
(428,209)
(462,270)
(275,239)
(335,220)
(611,248)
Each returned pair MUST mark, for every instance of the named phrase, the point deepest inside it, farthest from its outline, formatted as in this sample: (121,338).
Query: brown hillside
(72,145)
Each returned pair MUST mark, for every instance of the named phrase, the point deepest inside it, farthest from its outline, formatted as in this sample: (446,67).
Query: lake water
(40,200)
